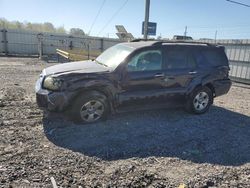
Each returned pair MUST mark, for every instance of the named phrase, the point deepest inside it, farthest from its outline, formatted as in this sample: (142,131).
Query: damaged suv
(136,75)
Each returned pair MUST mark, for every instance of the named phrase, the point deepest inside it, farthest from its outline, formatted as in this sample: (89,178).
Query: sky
(202,17)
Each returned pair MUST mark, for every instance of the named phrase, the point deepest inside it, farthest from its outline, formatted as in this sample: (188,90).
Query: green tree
(29,26)
(76,32)
(18,25)
(40,27)
(48,27)
(3,22)
(61,29)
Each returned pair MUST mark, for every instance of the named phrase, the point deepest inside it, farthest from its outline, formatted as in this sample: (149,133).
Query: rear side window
(215,57)
(179,59)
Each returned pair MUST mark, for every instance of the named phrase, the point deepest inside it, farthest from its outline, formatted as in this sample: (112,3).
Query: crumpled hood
(79,66)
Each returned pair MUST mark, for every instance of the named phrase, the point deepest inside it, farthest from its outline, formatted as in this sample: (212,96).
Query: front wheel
(89,108)
(200,100)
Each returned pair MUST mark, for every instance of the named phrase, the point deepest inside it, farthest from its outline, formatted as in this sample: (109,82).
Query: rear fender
(199,83)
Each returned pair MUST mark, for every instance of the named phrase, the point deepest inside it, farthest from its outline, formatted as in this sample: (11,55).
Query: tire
(200,100)
(89,107)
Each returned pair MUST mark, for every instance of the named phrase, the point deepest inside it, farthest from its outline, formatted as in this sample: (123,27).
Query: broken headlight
(52,83)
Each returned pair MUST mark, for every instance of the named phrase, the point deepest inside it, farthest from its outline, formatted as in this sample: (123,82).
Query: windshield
(113,56)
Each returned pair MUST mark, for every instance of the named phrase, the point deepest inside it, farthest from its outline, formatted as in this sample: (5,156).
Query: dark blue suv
(137,75)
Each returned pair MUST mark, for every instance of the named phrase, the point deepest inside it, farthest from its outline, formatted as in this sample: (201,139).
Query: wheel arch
(202,84)
(198,88)
(103,90)
(211,87)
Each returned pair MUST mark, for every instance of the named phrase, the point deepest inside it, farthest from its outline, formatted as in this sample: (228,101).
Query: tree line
(39,27)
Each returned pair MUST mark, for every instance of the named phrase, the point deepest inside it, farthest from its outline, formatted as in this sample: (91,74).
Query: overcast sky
(202,17)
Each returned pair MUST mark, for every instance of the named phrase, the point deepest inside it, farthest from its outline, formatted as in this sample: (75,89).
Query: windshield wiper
(100,63)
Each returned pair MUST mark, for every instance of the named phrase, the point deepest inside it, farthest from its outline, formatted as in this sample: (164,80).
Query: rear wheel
(200,100)
(89,108)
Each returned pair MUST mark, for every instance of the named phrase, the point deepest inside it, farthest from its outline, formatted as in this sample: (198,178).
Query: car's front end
(58,84)
(49,93)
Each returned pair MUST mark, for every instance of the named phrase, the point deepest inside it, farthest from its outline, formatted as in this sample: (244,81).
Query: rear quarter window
(215,57)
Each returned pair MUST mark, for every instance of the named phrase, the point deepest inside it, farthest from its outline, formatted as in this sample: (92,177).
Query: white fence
(20,42)
(238,53)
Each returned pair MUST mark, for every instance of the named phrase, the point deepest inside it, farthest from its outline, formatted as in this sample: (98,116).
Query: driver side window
(146,61)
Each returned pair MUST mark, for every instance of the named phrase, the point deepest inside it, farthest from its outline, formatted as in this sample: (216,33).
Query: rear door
(180,68)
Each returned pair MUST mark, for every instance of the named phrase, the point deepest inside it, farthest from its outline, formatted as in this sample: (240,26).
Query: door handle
(159,75)
(192,72)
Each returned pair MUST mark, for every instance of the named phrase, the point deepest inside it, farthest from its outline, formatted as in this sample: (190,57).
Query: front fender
(103,86)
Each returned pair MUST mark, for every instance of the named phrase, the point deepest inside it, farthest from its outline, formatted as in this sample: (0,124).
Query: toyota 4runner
(136,75)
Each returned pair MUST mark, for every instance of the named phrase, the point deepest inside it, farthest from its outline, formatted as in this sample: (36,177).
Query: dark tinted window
(179,59)
(215,57)
(191,61)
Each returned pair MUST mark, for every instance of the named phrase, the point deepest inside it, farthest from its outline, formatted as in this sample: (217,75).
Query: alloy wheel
(201,101)
(92,111)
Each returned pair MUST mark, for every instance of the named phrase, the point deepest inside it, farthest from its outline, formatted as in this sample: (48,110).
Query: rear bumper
(222,87)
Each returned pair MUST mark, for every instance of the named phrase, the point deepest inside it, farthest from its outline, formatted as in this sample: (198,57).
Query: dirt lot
(162,148)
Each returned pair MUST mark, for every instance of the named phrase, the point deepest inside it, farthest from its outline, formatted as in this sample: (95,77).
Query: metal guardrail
(62,53)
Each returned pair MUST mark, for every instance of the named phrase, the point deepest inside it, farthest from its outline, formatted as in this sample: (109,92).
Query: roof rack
(139,40)
(182,41)
(160,42)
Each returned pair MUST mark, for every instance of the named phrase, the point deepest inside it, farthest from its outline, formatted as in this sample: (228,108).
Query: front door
(143,81)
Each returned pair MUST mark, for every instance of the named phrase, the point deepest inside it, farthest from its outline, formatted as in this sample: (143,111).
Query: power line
(98,13)
(113,16)
(239,3)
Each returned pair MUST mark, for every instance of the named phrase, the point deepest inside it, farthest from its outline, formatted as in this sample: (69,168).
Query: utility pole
(146,19)
(185,32)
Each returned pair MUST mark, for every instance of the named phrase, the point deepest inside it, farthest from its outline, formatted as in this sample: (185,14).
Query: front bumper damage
(52,100)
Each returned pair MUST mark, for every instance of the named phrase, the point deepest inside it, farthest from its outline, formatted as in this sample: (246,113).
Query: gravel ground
(161,148)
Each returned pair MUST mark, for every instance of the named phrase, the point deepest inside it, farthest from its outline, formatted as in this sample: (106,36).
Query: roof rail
(182,41)
(160,42)
(138,40)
